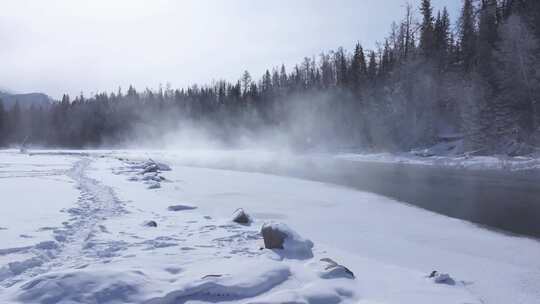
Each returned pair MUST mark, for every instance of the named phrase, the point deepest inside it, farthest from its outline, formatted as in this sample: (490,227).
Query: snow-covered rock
(441,278)
(334,270)
(151,176)
(180,208)
(153,185)
(47,245)
(241,217)
(151,167)
(150,224)
(162,166)
(280,236)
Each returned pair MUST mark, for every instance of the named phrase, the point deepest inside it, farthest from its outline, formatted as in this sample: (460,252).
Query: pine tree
(442,38)
(327,71)
(467,33)
(275,79)
(487,40)
(246,82)
(485,78)
(132,93)
(372,66)
(517,78)
(408,31)
(266,82)
(65,100)
(3,124)
(15,120)
(283,79)
(358,69)
(427,35)
(387,61)
(340,62)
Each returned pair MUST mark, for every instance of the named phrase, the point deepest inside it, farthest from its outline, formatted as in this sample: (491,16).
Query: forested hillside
(475,76)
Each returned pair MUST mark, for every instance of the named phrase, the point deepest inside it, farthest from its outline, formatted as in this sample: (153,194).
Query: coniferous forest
(476,77)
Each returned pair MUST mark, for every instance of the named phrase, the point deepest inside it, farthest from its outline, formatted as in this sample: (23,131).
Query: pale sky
(69,46)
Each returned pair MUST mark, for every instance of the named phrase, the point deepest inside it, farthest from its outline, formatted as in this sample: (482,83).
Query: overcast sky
(69,46)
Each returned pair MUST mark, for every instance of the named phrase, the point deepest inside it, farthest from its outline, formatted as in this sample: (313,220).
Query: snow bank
(458,161)
(248,281)
(315,293)
(84,287)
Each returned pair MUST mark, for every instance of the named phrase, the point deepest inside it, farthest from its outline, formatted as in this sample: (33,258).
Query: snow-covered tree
(518,80)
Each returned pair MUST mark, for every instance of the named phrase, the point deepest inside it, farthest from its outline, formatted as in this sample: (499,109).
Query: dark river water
(499,199)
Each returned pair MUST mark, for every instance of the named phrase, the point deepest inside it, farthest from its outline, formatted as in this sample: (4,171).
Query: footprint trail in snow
(72,244)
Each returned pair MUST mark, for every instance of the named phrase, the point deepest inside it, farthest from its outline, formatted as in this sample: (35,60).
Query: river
(498,199)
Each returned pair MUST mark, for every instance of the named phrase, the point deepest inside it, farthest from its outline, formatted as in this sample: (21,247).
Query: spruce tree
(340,62)
(442,38)
(427,37)
(3,124)
(485,69)
(372,66)
(467,33)
(283,76)
(246,82)
(358,68)
(518,80)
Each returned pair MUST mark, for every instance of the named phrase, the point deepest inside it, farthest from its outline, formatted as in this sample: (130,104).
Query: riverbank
(103,251)
(495,162)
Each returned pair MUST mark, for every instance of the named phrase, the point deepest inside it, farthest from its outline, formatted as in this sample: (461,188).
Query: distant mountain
(25,100)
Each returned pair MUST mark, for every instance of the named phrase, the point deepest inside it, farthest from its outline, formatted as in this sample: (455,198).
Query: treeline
(478,78)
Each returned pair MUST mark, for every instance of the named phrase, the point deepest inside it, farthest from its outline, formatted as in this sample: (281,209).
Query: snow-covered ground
(465,162)
(80,229)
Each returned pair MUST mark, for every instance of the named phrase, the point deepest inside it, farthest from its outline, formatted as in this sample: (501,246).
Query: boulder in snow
(180,208)
(163,167)
(150,167)
(334,270)
(241,217)
(153,185)
(290,243)
(150,224)
(274,238)
(47,245)
(441,278)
